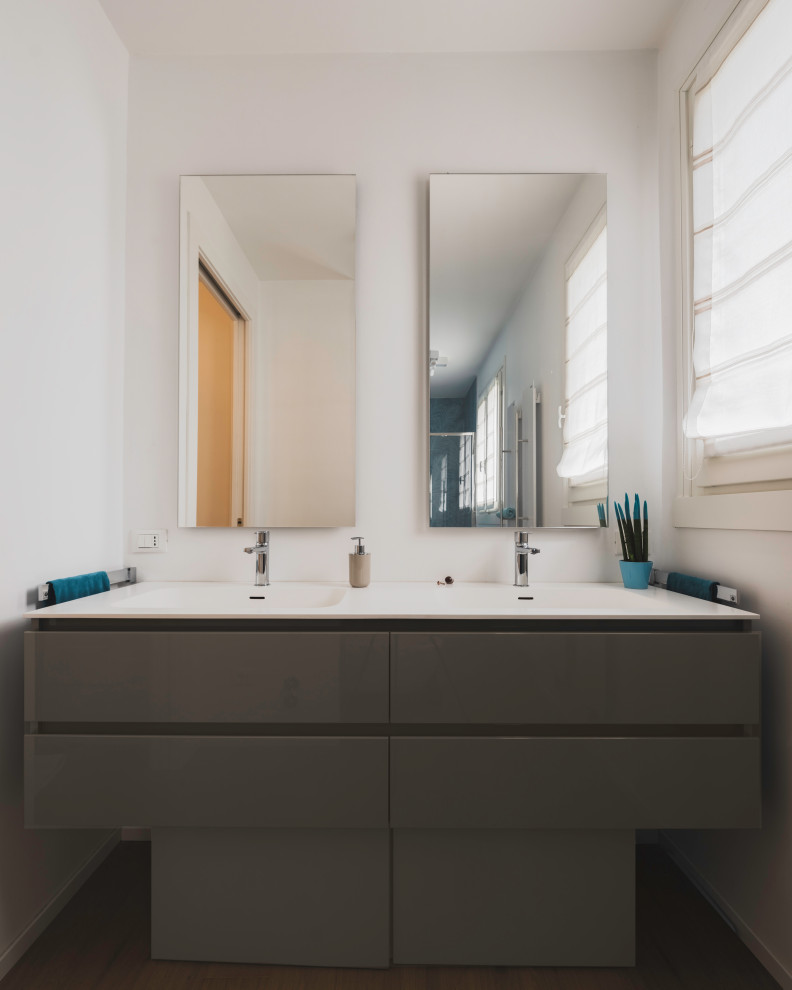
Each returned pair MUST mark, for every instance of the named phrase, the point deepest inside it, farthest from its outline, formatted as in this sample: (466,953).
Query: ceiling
(487,232)
(291,226)
(256,27)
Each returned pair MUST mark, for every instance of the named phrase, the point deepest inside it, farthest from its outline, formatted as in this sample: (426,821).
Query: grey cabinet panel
(584,678)
(513,898)
(109,781)
(206,677)
(575,783)
(302,897)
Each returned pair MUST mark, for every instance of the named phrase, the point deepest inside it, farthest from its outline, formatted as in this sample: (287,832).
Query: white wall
(305,380)
(391,120)
(63,100)
(750,871)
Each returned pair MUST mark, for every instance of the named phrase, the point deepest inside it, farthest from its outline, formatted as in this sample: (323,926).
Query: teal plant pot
(635,573)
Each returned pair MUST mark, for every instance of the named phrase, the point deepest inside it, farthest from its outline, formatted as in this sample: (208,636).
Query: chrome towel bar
(729,596)
(125,575)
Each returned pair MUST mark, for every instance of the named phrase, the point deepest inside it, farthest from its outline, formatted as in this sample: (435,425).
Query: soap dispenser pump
(359,565)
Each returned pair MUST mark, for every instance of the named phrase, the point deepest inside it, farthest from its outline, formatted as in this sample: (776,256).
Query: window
(465,472)
(488,445)
(584,415)
(443,507)
(737,130)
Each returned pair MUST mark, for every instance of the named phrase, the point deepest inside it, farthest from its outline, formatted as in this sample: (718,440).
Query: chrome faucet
(261,550)
(521,553)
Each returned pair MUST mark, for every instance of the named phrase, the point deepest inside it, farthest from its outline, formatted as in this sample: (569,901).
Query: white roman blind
(585,443)
(487,445)
(740,160)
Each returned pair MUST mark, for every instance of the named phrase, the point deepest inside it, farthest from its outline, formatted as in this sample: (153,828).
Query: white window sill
(745,510)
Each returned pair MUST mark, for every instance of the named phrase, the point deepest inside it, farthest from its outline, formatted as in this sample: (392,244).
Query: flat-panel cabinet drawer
(95,781)
(514,897)
(575,678)
(206,677)
(287,897)
(575,783)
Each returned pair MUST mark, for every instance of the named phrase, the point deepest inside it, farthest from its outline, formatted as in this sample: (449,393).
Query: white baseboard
(31,932)
(746,935)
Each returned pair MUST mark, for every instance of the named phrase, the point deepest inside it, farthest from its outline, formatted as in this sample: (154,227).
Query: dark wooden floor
(100,941)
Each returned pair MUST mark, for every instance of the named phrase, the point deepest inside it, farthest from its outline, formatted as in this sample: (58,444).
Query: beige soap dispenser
(359,565)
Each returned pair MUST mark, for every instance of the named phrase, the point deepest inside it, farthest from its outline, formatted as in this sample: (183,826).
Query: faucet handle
(521,543)
(262,537)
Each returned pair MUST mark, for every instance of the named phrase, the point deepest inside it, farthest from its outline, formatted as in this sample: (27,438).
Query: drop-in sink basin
(218,598)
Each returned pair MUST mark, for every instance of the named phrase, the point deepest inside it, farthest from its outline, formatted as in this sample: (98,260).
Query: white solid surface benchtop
(386,600)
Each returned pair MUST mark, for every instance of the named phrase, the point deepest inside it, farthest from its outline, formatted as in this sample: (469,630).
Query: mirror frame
(189,258)
(427,436)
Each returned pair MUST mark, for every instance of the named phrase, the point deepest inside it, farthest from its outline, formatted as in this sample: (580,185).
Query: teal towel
(684,584)
(67,589)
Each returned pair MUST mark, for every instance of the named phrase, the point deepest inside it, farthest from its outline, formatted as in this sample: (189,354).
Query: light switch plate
(149,541)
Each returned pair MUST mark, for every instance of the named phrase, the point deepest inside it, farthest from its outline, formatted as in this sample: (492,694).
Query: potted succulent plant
(636,566)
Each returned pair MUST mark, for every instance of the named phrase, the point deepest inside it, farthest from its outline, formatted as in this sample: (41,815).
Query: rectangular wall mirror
(518,322)
(267,350)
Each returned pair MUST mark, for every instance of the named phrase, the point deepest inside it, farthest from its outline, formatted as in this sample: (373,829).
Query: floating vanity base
(322,897)
(308,897)
(362,793)
(513,897)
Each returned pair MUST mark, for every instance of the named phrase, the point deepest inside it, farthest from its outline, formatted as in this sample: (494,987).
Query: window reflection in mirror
(517,350)
(267,351)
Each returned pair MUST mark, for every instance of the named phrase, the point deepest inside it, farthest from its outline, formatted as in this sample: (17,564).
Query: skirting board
(746,935)
(47,914)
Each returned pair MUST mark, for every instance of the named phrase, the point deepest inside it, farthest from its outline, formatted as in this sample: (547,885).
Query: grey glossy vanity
(361,791)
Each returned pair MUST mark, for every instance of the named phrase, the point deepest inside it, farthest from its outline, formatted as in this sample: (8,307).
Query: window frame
(752,490)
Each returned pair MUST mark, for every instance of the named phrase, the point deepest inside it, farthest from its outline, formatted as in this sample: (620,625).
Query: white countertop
(386,600)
